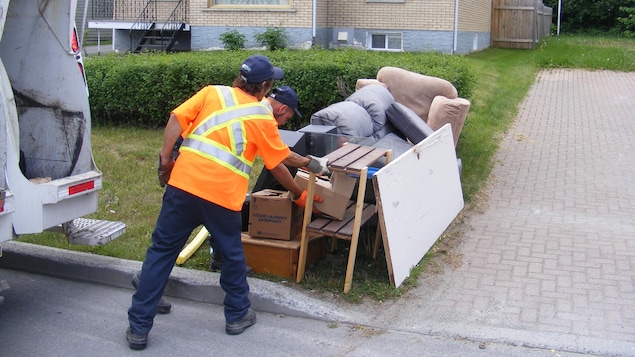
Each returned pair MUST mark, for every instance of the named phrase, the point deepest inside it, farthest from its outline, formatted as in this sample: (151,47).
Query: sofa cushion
(445,110)
(408,122)
(363,82)
(349,118)
(375,99)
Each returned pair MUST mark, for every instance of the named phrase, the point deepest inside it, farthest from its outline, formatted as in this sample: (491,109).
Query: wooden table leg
(378,232)
(377,240)
(359,207)
(304,240)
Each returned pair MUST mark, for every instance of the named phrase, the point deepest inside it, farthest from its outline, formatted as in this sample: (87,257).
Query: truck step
(85,231)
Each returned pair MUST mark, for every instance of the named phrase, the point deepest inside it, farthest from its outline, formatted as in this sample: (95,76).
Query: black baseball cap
(287,96)
(258,68)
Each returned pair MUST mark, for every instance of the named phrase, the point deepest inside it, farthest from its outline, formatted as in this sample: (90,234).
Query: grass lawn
(128,158)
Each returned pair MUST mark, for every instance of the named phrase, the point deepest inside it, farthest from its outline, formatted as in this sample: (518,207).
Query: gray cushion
(408,122)
(349,118)
(375,98)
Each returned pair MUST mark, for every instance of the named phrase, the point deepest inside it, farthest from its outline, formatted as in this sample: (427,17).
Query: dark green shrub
(233,40)
(627,22)
(274,38)
(142,89)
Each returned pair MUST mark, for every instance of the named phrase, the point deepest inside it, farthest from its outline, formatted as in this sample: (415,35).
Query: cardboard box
(279,257)
(336,192)
(272,214)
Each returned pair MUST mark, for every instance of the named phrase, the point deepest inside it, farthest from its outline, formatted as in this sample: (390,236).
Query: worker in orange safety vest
(224,128)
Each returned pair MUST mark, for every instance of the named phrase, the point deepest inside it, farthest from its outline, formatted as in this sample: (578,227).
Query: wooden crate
(280,257)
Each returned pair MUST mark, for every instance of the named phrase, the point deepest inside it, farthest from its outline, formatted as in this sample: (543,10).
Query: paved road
(45,316)
(548,264)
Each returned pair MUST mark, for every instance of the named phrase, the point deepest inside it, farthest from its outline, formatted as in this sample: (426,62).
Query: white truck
(48,178)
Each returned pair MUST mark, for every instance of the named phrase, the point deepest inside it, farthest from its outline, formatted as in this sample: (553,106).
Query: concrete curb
(184,283)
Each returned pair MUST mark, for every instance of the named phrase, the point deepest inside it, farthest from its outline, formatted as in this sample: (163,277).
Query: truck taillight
(78,55)
(75,42)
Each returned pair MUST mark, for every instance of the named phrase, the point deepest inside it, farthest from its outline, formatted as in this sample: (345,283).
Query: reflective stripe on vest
(230,118)
(226,95)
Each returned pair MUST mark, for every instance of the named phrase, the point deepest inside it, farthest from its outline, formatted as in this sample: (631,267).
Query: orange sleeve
(268,142)
(190,110)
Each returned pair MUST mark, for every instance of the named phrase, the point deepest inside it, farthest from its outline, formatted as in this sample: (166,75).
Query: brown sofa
(433,99)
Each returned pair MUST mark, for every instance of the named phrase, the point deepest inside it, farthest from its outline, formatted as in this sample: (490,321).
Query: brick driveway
(550,262)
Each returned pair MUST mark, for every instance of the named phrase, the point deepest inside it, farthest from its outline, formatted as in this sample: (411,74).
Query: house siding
(208,37)
(475,15)
(433,15)
(474,25)
(209,23)
(425,25)
(438,41)
(297,15)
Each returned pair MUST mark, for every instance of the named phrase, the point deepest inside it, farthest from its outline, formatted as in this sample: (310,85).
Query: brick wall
(322,12)
(428,15)
(475,15)
(297,14)
(424,24)
(433,15)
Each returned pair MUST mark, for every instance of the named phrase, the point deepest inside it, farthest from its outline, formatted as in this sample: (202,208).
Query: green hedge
(141,89)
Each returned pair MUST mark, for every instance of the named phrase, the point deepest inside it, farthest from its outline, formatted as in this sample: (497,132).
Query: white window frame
(388,35)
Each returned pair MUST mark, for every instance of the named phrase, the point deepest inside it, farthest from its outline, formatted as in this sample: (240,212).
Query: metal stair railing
(145,21)
(103,9)
(175,23)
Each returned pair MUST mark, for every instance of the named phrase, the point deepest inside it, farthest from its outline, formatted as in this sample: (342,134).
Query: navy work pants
(180,214)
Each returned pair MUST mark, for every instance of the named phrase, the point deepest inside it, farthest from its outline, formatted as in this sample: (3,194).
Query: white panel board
(419,195)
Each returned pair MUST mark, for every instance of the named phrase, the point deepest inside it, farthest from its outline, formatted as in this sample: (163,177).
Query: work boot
(214,262)
(238,327)
(163,306)
(135,341)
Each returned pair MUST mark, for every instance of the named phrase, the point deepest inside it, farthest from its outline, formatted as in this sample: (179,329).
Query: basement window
(385,41)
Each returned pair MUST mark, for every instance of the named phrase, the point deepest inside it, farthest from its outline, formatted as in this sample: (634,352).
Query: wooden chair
(350,159)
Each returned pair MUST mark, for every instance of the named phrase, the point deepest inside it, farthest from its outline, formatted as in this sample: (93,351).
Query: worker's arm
(166,160)
(296,160)
(170,135)
(282,174)
(314,164)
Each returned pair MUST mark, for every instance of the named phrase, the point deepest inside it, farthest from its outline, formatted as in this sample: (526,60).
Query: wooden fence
(519,23)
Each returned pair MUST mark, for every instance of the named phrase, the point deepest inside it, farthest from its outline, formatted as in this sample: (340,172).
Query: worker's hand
(317,165)
(301,201)
(164,171)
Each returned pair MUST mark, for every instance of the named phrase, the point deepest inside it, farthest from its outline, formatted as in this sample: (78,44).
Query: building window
(252,2)
(385,41)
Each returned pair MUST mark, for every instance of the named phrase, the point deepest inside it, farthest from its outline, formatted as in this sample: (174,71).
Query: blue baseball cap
(258,68)
(286,95)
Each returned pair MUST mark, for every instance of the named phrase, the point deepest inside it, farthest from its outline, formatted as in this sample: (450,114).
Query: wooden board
(418,195)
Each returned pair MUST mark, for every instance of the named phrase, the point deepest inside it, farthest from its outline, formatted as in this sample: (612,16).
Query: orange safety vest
(213,152)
